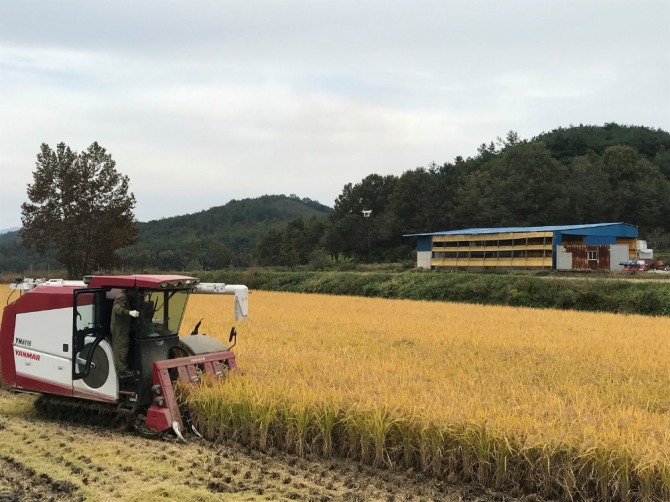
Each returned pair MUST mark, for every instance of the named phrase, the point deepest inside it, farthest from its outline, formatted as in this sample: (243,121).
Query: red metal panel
(46,298)
(580,257)
(162,378)
(188,371)
(94,396)
(6,346)
(579,261)
(192,374)
(603,257)
(159,419)
(131,281)
(39,385)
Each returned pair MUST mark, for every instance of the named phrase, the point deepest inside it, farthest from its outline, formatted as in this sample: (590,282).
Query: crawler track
(77,411)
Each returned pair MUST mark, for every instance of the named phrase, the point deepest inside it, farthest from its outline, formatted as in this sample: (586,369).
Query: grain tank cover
(143,281)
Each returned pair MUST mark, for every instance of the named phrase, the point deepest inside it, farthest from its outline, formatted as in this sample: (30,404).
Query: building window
(592,255)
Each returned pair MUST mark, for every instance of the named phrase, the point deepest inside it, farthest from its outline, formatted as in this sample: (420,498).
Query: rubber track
(80,411)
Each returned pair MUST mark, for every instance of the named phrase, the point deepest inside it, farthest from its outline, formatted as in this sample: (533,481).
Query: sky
(201,102)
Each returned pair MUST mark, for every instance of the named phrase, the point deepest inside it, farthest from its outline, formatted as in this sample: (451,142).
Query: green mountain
(217,237)
(238,225)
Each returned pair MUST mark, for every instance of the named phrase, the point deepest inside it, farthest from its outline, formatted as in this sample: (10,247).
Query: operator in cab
(123,311)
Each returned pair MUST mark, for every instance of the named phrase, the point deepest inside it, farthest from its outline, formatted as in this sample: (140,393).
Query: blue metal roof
(550,228)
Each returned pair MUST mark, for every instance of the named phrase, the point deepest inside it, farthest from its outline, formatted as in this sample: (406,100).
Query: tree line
(219,237)
(574,175)
(578,175)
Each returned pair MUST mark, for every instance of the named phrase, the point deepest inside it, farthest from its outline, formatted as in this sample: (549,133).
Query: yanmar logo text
(27,355)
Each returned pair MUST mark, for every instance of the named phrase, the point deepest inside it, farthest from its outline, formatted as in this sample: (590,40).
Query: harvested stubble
(565,404)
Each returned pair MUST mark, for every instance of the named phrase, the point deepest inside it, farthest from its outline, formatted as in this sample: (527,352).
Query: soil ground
(48,460)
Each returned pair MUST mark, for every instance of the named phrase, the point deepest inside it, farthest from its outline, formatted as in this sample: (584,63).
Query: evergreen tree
(80,206)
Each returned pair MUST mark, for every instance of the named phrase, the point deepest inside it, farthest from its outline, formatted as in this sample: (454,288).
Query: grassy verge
(599,294)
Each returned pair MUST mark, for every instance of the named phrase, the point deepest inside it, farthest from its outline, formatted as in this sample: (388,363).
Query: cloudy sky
(201,102)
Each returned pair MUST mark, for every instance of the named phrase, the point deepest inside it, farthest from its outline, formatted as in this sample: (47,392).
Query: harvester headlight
(164,284)
(175,284)
(159,401)
(156,389)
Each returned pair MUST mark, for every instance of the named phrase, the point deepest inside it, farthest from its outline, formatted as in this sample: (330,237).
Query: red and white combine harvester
(55,340)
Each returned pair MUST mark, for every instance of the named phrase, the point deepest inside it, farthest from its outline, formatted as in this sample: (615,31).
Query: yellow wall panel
(632,245)
(490,237)
(492,262)
(465,249)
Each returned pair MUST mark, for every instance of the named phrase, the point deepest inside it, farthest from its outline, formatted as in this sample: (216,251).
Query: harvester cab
(56,340)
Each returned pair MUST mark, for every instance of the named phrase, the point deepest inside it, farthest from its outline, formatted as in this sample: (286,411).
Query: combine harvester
(55,341)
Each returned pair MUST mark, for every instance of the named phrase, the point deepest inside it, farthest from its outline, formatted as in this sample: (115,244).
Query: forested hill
(567,143)
(238,224)
(217,237)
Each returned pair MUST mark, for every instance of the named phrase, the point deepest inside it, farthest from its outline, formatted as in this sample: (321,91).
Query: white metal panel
(240,291)
(423,259)
(42,366)
(46,331)
(618,255)
(563,259)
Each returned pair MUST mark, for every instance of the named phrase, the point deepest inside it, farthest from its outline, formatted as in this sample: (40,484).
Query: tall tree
(589,194)
(350,232)
(419,202)
(639,193)
(523,186)
(79,205)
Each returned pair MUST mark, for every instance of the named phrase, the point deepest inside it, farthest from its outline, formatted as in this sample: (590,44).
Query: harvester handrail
(29,283)
(240,291)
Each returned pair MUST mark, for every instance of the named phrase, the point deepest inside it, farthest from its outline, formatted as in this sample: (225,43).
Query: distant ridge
(239,224)
(236,227)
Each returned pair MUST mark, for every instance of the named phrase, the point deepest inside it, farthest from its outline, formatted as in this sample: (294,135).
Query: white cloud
(236,99)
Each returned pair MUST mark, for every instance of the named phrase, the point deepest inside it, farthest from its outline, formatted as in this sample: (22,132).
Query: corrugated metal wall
(589,257)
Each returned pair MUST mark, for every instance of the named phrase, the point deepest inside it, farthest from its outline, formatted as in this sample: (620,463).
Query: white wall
(423,259)
(563,259)
(618,254)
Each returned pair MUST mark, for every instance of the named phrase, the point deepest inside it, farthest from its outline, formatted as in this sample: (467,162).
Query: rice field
(568,405)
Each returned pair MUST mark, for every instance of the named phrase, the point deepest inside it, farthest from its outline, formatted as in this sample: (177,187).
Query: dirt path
(51,461)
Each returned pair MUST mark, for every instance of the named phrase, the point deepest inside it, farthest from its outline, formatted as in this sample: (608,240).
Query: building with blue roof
(598,246)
